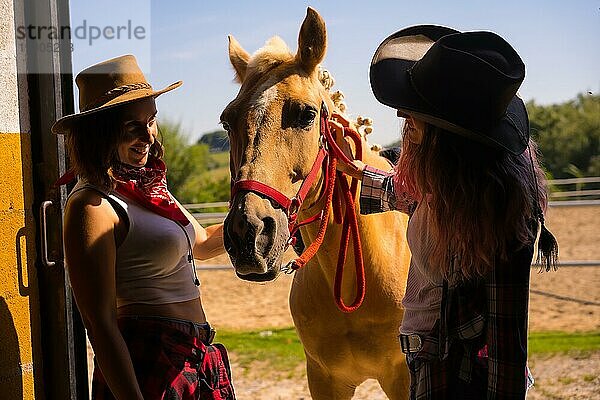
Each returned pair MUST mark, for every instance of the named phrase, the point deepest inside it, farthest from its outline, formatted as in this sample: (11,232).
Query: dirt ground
(558,377)
(557,302)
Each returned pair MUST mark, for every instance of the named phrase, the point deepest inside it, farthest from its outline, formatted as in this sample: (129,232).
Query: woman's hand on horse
(355,167)
(340,119)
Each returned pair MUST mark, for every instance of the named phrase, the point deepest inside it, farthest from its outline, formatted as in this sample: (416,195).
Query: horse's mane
(276,52)
(362,125)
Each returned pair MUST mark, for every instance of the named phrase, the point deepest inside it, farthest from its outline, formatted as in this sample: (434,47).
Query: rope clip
(288,268)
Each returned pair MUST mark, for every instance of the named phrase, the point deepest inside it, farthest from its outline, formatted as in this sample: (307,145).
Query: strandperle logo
(85,31)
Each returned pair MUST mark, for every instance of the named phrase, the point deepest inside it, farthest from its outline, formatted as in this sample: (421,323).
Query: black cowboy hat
(463,82)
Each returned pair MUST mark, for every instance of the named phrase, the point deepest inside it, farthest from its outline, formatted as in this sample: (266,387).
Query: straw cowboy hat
(463,82)
(108,84)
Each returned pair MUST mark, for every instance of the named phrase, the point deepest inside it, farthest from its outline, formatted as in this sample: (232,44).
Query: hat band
(118,91)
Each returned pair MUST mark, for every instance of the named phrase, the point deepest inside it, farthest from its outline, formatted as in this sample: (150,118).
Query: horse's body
(274,134)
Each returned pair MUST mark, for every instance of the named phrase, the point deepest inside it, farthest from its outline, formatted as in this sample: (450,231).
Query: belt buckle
(407,343)
(210,335)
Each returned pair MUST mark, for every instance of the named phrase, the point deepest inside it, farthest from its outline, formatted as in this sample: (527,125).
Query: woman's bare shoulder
(86,204)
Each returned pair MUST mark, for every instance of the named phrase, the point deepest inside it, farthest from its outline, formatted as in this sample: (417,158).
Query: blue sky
(559,42)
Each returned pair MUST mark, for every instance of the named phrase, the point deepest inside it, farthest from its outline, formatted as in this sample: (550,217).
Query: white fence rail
(568,198)
(210,217)
(592,179)
(587,197)
(577,197)
(199,206)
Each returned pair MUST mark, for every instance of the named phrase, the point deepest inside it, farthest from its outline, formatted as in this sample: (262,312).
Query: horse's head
(273,127)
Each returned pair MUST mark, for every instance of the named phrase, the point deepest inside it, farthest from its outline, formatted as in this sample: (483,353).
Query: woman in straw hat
(130,247)
(469,179)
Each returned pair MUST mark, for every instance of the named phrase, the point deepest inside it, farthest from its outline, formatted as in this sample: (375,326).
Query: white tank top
(423,297)
(152,264)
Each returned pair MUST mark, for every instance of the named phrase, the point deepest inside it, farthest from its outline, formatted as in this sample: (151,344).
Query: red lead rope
(350,226)
(350,222)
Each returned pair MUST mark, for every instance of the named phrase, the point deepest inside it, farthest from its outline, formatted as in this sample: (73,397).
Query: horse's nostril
(265,236)
(269,226)
(252,234)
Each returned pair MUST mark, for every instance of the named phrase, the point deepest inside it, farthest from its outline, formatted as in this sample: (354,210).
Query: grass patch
(589,378)
(280,348)
(562,342)
(567,380)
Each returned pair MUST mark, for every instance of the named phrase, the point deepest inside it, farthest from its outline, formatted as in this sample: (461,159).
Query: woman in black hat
(130,247)
(469,179)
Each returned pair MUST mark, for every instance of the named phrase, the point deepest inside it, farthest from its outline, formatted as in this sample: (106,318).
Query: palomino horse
(274,130)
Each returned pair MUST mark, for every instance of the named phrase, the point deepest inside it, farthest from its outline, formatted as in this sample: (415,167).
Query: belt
(411,343)
(202,331)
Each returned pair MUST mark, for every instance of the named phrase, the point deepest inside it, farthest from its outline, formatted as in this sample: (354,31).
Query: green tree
(568,135)
(194,174)
(183,159)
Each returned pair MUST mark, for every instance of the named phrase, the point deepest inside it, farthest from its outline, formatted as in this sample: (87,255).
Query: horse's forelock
(272,54)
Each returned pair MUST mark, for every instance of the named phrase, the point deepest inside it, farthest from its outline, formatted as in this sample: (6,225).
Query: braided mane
(364,126)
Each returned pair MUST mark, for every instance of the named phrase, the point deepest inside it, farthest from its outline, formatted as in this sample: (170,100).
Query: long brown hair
(482,199)
(92,146)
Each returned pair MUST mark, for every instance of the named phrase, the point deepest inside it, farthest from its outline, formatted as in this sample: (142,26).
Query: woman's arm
(209,241)
(90,254)
(212,246)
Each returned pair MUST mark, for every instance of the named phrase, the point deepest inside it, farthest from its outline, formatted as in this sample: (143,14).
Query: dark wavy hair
(482,199)
(92,146)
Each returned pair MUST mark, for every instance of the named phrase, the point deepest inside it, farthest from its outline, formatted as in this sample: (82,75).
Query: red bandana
(148,187)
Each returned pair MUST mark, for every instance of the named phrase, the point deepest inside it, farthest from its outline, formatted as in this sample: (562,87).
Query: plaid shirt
(377,194)
(481,335)
(172,361)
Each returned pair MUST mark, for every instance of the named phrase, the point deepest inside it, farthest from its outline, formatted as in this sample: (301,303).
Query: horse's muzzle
(255,236)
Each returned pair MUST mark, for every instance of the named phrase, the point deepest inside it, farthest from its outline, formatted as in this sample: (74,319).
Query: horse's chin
(257,269)
(255,277)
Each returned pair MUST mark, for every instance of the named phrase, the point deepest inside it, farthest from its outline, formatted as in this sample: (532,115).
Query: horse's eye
(306,117)
(226,126)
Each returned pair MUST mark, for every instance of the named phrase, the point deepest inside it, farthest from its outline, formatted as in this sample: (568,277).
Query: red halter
(329,151)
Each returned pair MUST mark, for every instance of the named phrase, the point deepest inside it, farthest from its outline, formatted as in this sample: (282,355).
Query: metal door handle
(44,238)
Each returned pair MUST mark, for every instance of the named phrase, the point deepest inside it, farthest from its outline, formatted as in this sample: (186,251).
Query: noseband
(326,160)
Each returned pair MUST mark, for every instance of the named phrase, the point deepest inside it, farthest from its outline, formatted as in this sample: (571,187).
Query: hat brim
(391,85)
(64,124)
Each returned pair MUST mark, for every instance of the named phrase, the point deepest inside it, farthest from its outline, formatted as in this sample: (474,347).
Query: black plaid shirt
(488,313)
(377,194)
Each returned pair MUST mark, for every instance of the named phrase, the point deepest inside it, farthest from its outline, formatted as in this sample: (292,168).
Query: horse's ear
(312,41)
(239,59)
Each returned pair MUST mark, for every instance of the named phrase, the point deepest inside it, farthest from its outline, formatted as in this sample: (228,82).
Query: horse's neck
(333,234)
